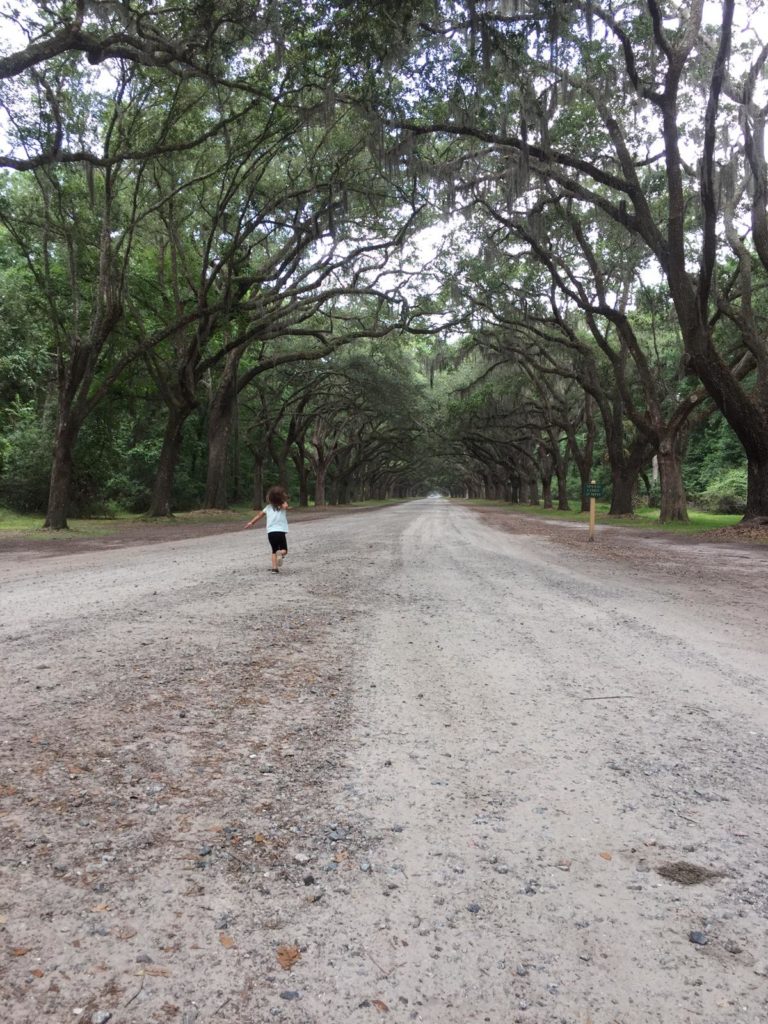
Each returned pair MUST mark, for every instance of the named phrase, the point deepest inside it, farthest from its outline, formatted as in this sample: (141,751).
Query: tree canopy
(474,245)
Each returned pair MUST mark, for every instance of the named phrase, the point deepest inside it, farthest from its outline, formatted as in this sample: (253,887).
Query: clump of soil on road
(684,873)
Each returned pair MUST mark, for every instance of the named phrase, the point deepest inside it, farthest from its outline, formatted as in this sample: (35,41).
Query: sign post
(592,491)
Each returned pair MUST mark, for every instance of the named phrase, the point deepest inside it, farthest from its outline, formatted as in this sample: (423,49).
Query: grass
(13,522)
(644,518)
(32,525)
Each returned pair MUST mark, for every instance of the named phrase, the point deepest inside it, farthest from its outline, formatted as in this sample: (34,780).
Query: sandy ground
(445,767)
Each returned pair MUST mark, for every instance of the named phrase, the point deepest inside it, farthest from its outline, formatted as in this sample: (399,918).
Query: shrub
(26,462)
(727,493)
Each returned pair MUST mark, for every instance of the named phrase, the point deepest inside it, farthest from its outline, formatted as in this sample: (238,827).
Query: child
(277,524)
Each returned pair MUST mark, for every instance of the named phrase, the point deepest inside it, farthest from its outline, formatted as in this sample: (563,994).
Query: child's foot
(274,570)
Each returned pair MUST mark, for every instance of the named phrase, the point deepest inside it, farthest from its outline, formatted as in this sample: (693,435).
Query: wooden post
(592,512)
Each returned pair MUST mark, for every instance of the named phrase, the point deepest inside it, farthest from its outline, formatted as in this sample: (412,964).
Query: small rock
(761,970)
(301,858)
(290,994)
(521,971)
(698,938)
(309,879)
(101,1017)
(144,958)
(732,947)
(473,908)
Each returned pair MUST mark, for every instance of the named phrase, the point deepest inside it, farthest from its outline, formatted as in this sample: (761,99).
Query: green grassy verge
(32,525)
(644,518)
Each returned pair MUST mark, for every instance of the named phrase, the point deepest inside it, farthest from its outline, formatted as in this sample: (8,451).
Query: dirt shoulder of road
(616,539)
(122,533)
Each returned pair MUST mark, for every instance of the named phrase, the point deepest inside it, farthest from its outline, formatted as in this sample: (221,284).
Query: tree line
(207,215)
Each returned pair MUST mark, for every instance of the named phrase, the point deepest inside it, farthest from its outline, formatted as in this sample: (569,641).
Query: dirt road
(434,771)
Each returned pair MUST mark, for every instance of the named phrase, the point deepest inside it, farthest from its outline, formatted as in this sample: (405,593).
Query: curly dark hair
(277,496)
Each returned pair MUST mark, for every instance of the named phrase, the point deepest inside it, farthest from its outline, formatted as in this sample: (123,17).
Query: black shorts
(278,541)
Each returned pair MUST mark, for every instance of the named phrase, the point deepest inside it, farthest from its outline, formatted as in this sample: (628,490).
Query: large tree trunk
(625,469)
(546,491)
(221,417)
(219,430)
(258,482)
(674,507)
(562,486)
(623,480)
(320,472)
(61,471)
(302,472)
(160,505)
(757,491)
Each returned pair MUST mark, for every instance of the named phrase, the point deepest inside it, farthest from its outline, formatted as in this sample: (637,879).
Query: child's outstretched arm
(255,519)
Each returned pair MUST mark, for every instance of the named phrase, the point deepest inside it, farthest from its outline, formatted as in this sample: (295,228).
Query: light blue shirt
(277,520)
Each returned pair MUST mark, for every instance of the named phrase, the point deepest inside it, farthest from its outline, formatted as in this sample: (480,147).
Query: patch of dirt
(683,873)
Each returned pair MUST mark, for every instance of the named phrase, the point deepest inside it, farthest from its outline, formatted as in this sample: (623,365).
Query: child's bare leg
(274,562)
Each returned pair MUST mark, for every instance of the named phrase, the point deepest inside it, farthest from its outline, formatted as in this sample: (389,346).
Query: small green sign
(593,491)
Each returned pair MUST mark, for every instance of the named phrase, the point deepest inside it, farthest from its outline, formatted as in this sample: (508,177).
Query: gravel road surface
(435,770)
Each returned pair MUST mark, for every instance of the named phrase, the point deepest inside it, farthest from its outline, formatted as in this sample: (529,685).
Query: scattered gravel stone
(101,1017)
(290,994)
(698,938)
(473,908)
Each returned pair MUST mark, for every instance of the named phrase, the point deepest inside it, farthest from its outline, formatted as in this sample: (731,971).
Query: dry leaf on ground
(287,956)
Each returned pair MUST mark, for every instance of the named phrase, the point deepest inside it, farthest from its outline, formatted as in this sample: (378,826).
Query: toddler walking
(277,524)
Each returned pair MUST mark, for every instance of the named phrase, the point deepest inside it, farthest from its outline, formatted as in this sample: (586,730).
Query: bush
(25,462)
(727,493)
